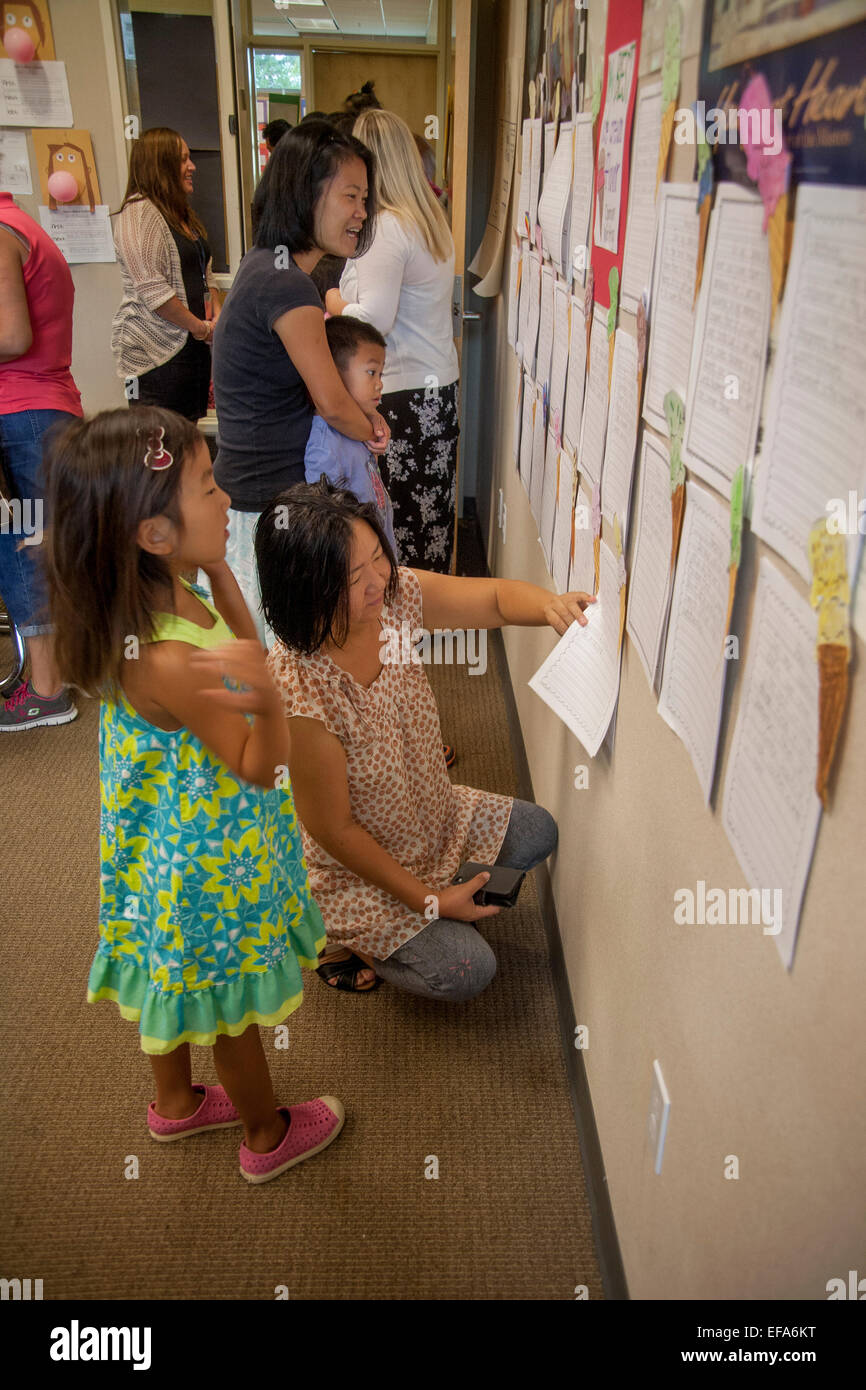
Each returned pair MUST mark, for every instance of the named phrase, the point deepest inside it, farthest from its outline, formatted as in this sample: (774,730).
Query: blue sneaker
(25,708)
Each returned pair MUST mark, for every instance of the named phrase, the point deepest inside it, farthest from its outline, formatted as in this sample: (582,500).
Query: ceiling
(379,19)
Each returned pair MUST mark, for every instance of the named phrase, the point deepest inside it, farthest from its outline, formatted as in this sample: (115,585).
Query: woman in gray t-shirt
(272,364)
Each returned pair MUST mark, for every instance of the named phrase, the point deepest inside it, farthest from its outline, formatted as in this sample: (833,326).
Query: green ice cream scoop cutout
(613,286)
(737,489)
(675,414)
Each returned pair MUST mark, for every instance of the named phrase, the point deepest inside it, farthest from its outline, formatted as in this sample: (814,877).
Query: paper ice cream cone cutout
(678,498)
(779,245)
(665,142)
(732,589)
(703,228)
(831,597)
(832,698)
(596,562)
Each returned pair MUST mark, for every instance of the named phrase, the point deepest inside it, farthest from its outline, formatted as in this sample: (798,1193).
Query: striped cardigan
(150,267)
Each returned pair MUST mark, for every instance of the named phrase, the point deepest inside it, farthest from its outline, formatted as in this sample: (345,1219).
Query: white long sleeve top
(399,288)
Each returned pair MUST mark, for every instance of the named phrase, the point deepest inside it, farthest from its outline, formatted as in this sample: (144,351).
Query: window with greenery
(277,72)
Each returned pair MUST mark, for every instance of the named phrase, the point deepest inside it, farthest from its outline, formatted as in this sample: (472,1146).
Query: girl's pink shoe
(215,1112)
(313,1126)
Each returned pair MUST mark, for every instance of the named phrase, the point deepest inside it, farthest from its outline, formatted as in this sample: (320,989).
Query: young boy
(358,349)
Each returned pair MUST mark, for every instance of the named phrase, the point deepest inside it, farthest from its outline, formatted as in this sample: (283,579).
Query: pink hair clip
(156,457)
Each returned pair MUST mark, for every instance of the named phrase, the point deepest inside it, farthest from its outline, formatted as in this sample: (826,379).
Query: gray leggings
(449,959)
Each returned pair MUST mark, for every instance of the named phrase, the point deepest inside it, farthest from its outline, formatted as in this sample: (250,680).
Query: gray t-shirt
(263,408)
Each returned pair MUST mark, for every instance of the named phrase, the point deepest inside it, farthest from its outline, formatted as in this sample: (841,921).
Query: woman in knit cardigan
(164,326)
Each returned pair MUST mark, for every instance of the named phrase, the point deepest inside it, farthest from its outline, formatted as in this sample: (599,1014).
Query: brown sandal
(340,970)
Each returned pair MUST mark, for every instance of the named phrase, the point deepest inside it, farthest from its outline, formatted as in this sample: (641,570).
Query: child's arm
(191,691)
(229,601)
(321,793)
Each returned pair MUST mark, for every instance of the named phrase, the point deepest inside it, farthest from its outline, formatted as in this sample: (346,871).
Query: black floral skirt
(420,472)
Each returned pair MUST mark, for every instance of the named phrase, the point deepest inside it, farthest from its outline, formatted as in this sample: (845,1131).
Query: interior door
(475,83)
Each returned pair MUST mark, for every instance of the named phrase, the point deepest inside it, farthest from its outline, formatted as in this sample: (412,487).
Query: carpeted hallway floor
(482,1086)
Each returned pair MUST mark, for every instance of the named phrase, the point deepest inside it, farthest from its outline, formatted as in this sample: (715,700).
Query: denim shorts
(22,585)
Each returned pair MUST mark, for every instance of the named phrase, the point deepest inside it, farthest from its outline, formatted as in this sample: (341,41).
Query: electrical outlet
(659,1114)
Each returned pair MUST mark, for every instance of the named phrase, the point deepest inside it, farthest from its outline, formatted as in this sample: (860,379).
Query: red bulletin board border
(624,20)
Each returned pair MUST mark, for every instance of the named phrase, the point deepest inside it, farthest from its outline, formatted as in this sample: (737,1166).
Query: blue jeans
(21,581)
(451,960)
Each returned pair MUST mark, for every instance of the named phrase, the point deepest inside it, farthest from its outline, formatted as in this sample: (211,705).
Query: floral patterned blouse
(399,788)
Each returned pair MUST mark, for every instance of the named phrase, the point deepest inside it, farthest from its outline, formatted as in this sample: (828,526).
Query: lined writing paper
(527,427)
(536,481)
(621,440)
(591,455)
(581,197)
(770,809)
(575,378)
(729,352)
(649,589)
(816,415)
(641,223)
(693,681)
(580,678)
(554,206)
(532,283)
(545,328)
(548,499)
(671,320)
(563,523)
(582,575)
(559,364)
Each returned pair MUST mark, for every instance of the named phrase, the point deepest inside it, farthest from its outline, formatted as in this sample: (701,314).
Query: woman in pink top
(37,394)
(384,829)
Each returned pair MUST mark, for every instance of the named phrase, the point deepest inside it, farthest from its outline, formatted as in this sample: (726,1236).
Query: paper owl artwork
(25,31)
(67,169)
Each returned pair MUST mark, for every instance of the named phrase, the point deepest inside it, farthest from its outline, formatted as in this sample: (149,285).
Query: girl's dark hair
(303,545)
(102,588)
(356,102)
(302,164)
(343,120)
(345,335)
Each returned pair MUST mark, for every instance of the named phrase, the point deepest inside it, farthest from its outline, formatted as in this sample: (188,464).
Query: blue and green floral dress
(205,907)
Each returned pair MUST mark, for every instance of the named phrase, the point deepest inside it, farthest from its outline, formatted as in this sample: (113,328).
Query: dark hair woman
(272,363)
(384,829)
(163,328)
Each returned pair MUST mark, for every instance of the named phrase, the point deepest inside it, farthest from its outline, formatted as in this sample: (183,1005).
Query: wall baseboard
(604,1229)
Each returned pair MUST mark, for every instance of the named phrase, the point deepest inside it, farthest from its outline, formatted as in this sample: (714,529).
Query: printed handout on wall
(611,146)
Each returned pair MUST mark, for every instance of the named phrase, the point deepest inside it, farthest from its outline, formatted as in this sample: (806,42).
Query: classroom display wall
(762,1064)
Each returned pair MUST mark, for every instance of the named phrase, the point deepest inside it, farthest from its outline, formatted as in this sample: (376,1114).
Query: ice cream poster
(612,143)
(67,169)
(25,31)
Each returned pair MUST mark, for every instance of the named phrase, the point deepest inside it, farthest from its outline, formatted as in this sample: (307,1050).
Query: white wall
(759,1063)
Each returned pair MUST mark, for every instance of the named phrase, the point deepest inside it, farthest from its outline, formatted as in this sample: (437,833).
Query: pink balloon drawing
(19,45)
(63,188)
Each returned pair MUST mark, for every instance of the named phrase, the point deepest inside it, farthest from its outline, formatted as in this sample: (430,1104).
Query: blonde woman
(162,331)
(402,285)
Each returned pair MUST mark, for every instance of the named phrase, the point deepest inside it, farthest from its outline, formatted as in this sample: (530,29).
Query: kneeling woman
(384,829)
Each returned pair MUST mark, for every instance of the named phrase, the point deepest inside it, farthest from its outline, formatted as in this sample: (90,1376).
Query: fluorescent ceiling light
(316,25)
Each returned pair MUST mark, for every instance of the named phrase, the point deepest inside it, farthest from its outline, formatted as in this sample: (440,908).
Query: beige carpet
(482,1086)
